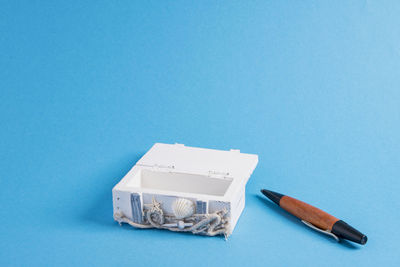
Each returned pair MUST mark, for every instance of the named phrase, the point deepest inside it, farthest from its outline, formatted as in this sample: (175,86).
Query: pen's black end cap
(275,197)
(343,230)
(364,240)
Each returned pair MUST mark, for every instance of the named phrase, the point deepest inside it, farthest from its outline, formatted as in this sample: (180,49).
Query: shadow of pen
(282,212)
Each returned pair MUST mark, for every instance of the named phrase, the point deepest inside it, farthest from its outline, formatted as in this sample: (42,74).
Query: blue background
(313,88)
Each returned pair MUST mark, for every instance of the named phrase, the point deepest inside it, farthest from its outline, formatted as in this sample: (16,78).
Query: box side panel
(122,203)
(238,204)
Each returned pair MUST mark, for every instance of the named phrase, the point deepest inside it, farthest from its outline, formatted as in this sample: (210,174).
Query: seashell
(183,208)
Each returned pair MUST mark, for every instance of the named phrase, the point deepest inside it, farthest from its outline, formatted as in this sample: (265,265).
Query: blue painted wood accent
(137,214)
(201,207)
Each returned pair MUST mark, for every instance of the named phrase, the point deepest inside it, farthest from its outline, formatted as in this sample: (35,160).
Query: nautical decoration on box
(185,189)
(183,208)
(183,220)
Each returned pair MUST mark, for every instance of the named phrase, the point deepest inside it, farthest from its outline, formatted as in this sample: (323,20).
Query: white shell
(183,208)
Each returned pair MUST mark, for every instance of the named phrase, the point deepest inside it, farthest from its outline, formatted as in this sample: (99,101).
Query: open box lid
(210,162)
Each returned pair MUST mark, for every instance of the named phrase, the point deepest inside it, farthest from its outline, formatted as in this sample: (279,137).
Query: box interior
(182,182)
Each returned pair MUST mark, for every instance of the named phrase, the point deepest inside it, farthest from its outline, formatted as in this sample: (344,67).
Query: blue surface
(87,88)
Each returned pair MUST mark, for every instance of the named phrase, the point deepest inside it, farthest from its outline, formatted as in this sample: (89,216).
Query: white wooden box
(185,189)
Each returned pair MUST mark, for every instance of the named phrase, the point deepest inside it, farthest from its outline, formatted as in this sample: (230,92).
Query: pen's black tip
(345,231)
(364,240)
(263,191)
(275,197)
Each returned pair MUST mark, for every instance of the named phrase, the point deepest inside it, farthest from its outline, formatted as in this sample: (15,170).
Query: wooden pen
(316,218)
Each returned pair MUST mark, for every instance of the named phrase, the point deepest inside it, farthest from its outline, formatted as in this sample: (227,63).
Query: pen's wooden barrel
(308,213)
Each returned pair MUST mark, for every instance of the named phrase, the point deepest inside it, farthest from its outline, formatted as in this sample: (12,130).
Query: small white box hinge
(218,174)
(157,167)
